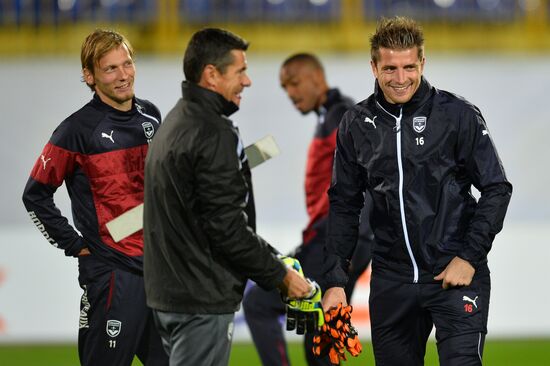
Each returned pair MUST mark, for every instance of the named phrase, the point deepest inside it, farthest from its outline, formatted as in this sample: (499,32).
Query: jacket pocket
(454,213)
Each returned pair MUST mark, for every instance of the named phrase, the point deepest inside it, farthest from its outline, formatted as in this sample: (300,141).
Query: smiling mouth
(400,89)
(123,86)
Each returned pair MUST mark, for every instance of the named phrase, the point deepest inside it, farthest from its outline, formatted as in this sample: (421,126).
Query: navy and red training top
(319,160)
(99,152)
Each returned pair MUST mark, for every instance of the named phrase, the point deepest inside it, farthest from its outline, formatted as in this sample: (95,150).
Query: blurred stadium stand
(163,26)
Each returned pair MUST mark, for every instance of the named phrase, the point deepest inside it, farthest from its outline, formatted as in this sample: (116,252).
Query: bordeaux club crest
(419,124)
(113,328)
(148,129)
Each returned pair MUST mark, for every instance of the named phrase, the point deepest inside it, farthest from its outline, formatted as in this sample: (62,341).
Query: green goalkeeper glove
(305,315)
(293,263)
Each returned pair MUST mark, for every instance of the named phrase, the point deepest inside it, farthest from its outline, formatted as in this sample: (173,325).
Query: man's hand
(294,285)
(84,251)
(333,297)
(457,273)
(303,303)
(305,315)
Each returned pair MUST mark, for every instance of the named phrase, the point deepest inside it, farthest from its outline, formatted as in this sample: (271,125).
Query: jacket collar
(333,97)
(114,113)
(208,98)
(419,98)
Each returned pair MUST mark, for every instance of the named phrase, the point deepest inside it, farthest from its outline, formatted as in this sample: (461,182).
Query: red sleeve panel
(318,176)
(48,173)
(53,165)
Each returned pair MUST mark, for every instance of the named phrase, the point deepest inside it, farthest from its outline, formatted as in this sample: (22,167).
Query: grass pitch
(523,352)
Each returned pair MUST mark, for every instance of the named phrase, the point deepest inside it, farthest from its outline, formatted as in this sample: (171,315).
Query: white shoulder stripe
(148,115)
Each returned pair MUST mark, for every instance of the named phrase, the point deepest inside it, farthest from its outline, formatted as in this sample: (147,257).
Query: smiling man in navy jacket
(418,150)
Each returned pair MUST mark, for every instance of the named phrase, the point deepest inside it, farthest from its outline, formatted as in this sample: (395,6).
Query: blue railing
(447,10)
(47,12)
(259,10)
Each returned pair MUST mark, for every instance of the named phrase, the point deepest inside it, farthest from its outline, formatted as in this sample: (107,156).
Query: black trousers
(263,310)
(403,314)
(115,323)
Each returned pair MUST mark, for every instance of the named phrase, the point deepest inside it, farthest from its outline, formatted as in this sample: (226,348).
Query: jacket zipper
(397,129)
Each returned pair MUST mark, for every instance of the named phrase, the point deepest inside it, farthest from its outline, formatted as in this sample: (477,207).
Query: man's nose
(122,73)
(246,80)
(291,92)
(400,76)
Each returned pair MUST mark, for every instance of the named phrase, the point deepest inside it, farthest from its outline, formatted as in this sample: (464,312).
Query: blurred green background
(532,352)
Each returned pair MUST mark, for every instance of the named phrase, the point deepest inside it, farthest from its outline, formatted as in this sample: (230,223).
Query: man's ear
(88,77)
(318,77)
(209,77)
(374,69)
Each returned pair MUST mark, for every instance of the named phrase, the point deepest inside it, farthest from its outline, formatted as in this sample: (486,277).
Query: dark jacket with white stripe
(200,246)
(419,161)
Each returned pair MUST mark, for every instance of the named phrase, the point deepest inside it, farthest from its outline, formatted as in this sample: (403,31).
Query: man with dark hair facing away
(302,77)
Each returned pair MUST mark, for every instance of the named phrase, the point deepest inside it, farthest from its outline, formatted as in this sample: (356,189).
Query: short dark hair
(396,33)
(307,58)
(210,46)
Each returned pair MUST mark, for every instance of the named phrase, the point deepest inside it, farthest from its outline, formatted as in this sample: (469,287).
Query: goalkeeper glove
(305,315)
(293,263)
(337,335)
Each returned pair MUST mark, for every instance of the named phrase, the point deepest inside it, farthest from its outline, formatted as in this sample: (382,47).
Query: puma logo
(44,161)
(371,121)
(110,137)
(466,298)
